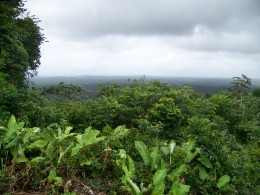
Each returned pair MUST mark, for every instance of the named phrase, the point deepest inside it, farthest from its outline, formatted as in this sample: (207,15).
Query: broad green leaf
(14,142)
(79,137)
(184,189)
(179,188)
(203,173)
(119,132)
(21,149)
(159,188)
(205,161)
(159,176)
(131,167)
(163,165)
(67,130)
(144,152)
(63,153)
(90,137)
(12,129)
(3,129)
(21,159)
(87,162)
(11,123)
(37,160)
(175,174)
(223,181)
(155,158)
(35,129)
(134,186)
(38,144)
(165,150)
(122,153)
(172,146)
(52,175)
(75,150)
(58,180)
(127,173)
(144,189)
(191,155)
(27,136)
(189,145)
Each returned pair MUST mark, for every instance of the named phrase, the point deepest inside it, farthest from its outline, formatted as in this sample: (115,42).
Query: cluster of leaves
(34,157)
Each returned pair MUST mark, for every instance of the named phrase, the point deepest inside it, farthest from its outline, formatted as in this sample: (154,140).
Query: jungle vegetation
(143,138)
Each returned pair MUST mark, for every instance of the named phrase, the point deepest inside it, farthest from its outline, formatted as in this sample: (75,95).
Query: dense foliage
(151,138)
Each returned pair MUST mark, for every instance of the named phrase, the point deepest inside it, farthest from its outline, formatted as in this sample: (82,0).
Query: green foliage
(221,154)
(159,168)
(20,40)
(168,114)
(63,91)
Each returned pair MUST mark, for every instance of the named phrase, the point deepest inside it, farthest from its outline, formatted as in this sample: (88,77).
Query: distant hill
(202,85)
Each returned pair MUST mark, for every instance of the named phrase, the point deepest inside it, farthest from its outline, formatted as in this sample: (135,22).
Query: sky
(191,38)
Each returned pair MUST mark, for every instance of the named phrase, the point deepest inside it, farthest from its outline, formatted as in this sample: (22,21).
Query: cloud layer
(151,37)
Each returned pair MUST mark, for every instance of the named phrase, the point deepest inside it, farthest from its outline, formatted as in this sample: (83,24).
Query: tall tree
(20,40)
(240,84)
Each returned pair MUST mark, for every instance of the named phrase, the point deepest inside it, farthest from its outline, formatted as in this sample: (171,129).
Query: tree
(20,40)
(64,91)
(240,84)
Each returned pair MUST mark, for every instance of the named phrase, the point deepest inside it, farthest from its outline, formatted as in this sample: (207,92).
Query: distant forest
(91,83)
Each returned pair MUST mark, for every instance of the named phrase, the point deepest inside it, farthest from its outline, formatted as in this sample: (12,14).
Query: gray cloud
(152,17)
(166,37)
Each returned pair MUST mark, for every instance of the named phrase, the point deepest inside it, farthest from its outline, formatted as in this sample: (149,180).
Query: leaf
(11,123)
(75,150)
(159,176)
(134,186)
(159,188)
(67,130)
(131,167)
(3,129)
(223,181)
(189,145)
(27,136)
(87,162)
(63,153)
(122,153)
(35,129)
(203,173)
(175,174)
(172,146)
(165,150)
(12,129)
(21,159)
(179,188)
(37,160)
(14,142)
(38,144)
(90,137)
(144,152)
(52,175)
(191,155)
(58,180)
(205,161)
(119,132)
(155,158)
(163,164)
(184,189)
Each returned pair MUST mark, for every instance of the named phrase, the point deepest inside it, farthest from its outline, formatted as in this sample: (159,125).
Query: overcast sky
(190,38)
